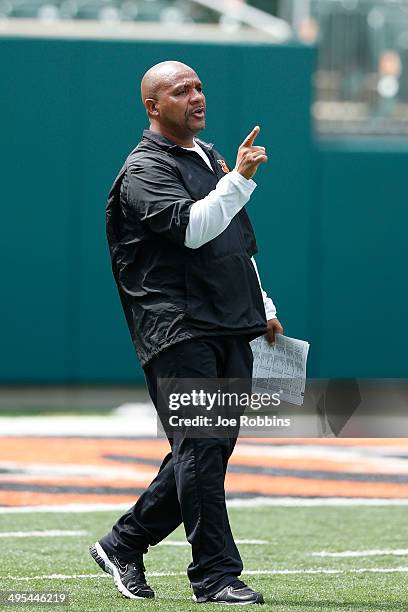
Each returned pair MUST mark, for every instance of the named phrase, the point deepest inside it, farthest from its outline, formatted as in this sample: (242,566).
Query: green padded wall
(361,289)
(330,218)
(71,114)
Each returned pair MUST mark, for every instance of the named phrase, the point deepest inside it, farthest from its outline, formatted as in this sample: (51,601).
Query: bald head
(159,76)
(174,100)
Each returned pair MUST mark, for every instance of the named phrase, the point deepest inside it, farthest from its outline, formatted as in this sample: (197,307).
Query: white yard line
(361,457)
(359,570)
(255,502)
(185,543)
(70,508)
(81,576)
(85,426)
(296,502)
(73,470)
(252,542)
(51,533)
(397,552)
(301,451)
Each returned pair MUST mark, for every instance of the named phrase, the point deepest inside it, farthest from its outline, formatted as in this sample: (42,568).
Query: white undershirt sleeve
(210,216)
(270,308)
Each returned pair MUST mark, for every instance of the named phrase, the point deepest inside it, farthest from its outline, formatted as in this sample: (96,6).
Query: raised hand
(250,156)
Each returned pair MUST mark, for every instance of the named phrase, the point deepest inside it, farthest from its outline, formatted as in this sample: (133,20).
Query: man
(182,251)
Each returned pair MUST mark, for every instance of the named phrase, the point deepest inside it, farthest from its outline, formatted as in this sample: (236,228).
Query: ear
(151,106)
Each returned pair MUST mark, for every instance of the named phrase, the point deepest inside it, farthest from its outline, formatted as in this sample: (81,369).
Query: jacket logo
(223,165)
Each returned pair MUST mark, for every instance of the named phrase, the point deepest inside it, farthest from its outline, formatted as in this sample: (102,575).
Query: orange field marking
(78,450)
(28,498)
(299,487)
(94,453)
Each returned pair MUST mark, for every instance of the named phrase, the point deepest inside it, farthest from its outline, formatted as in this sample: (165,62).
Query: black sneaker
(128,577)
(235,594)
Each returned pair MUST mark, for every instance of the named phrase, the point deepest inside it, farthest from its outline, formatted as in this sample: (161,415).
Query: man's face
(181,103)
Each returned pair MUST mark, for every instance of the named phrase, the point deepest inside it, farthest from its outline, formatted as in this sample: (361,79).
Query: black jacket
(170,292)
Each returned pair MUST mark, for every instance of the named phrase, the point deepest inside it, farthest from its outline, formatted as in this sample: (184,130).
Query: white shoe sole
(110,568)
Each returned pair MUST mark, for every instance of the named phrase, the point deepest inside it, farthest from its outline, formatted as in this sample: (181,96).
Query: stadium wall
(360,290)
(324,215)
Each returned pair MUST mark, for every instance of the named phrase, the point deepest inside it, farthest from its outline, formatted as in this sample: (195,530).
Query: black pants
(189,487)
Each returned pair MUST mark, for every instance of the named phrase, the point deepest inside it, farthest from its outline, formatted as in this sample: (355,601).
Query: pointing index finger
(249,140)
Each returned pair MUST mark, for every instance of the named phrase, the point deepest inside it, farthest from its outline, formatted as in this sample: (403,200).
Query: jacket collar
(167,144)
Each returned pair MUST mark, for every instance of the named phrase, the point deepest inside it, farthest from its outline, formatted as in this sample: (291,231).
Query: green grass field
(292,533)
